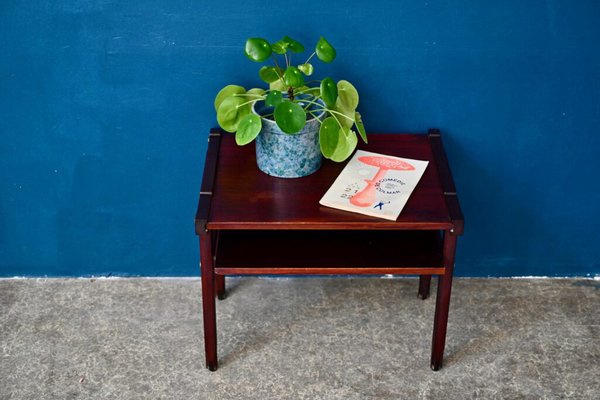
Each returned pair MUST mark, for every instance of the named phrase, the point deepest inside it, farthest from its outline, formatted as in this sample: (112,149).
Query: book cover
(375,184)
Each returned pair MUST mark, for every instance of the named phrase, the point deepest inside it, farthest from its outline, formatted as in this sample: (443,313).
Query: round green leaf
(360,127)
(325,51)
(279,47)
(347,95)
(329,92)
(328,136)
(257,49)
(268,74)
(307,69)
(293,77)
(273,98)
(348,119)
(290,117)
(248,129)
(293,45)
(231,111)
(227,91)
(347,141)
(277,85)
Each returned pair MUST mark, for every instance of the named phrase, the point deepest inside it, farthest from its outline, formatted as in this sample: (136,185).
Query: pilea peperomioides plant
(293,99)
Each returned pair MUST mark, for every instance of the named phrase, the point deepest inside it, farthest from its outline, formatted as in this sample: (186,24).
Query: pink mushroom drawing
(366,197)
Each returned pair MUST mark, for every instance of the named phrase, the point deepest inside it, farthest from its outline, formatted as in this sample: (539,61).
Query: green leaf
(290,117)
(257,49)
(248,129)
(307,69)
(348,120)
(231,111)
(277,85)
(279,47)
(325,51)
(360,127)
(269,74)
(227,91)
(329,92)
(256,91)
(328,136)
(346,102)
(347,141)
(293,77)
(293,45)
(273,98)
(347,95)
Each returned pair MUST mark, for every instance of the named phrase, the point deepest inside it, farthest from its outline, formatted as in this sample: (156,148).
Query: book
(375,184)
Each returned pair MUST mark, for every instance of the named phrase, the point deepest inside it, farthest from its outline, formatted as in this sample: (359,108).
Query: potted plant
(295,121)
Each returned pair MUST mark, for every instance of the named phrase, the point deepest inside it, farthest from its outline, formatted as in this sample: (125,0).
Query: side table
(240,207)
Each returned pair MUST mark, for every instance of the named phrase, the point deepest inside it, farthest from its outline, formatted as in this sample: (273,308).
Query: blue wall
(105,108)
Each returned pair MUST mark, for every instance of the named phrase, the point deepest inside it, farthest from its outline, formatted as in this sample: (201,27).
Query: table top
(236,195)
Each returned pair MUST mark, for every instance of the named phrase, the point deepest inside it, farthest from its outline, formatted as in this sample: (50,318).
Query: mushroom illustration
(366,197)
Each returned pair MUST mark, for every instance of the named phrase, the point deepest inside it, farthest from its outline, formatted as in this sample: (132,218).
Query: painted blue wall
(105,108)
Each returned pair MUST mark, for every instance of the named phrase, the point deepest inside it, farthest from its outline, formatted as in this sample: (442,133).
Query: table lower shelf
(302,252)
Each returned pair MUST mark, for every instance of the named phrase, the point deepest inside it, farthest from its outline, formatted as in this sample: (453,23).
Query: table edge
(455,224)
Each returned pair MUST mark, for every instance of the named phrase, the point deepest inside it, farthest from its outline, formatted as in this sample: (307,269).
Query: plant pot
(287,155)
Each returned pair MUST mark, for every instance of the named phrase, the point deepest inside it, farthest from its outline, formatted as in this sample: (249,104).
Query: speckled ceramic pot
(287,155)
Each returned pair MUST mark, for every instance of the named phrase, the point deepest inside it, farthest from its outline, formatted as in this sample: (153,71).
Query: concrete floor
(313,338)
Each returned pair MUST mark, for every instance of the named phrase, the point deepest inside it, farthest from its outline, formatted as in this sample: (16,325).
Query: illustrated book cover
(375,184)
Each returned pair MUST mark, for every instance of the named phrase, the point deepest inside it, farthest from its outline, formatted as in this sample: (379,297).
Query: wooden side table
(240,209)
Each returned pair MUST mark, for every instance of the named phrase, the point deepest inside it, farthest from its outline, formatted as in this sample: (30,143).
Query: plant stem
(314,102)
(311,56)
(332,112)
(277,69)
(308,89)
(337,120)
(308,102)
(249,94)
(248,102)
(314,116)
(336,112)
(301,92)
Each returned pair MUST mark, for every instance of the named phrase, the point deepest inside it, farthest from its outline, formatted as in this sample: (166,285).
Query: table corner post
(444,288)
(208,301)
(207,249)
(442,305)
(424,286)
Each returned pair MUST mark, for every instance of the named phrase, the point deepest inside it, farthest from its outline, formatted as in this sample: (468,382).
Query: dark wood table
(250,223)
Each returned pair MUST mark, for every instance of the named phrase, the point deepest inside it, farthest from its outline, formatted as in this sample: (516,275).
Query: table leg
(208,302)
(220,283)
(424,285)
(442,304)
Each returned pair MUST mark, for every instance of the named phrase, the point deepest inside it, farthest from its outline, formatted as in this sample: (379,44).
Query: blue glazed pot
(287,155)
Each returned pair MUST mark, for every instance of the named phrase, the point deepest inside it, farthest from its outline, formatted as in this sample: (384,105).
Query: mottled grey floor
(313,338)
